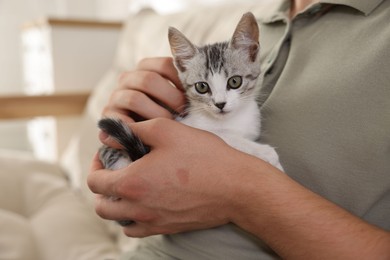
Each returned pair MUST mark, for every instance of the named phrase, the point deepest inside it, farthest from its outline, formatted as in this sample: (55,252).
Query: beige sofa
(46,210)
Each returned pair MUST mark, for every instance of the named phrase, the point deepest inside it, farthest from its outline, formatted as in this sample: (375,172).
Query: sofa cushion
(41,217)
(16,237)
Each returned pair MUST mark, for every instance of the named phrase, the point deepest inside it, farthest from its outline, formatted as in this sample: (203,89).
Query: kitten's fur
(220,86)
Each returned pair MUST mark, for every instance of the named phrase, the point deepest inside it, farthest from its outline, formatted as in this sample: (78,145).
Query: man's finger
(96,164)
(155,86)
(163,66)
(109,140)
(101,181)
(111,208)
(153,132)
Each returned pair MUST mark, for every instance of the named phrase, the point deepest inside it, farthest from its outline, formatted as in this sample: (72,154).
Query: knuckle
(157,123)
(133,99)
(122,82)
(166,62)
(91,183)
(106,111)
(129,187)
(148,80)
(100,209)
(116,95)
(122,76)
(113,100)
(120,191)
(121,188)
(143,62)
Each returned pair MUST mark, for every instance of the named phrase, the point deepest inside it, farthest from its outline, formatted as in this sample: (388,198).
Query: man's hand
(141,92)
(183,184)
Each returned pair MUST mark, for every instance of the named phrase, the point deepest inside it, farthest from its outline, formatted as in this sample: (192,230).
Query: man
(327,89)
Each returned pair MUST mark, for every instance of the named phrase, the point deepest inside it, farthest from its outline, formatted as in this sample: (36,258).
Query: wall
(169,6)
(13,14)
(13,134)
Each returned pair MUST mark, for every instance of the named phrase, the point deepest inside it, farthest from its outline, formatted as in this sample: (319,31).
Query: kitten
(220,82)
(220,86)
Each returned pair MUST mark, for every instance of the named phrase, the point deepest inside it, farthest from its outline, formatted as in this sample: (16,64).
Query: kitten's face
(220,80)
(221,77)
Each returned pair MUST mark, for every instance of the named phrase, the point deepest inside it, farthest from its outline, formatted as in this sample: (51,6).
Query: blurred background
(15,13)
(45,49)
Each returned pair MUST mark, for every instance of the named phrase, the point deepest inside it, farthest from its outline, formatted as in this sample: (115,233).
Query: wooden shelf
(72,22)
(16,107)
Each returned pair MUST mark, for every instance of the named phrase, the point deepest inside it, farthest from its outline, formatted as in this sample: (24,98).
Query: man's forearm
(300,224)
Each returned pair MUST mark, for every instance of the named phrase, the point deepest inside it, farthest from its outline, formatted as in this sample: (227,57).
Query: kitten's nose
(220,105)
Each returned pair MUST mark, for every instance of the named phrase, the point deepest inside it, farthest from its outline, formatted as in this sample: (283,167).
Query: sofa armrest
(23,106)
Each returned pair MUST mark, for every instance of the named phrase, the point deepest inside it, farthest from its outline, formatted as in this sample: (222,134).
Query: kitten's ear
(182,49)
(246,36)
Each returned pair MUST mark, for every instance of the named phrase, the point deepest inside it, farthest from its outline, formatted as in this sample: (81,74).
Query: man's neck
(298,6)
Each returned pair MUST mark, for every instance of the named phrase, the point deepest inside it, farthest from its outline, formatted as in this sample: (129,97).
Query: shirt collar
(363,6)
(278,12)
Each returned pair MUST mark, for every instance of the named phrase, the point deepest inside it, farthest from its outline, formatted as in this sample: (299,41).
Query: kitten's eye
(202,87)
(235,82)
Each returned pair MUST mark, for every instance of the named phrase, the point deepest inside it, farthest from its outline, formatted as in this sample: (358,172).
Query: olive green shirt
(326,109)
(328,113)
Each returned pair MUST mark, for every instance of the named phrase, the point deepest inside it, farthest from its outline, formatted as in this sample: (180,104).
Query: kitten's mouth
(219,113)
(222,112)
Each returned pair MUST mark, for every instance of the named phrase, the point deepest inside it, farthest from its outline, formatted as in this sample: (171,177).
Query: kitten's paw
(262,151)
(268,154)
(278,165)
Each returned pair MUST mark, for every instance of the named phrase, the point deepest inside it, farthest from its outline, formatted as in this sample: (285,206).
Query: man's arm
(299,224)
(192,180)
